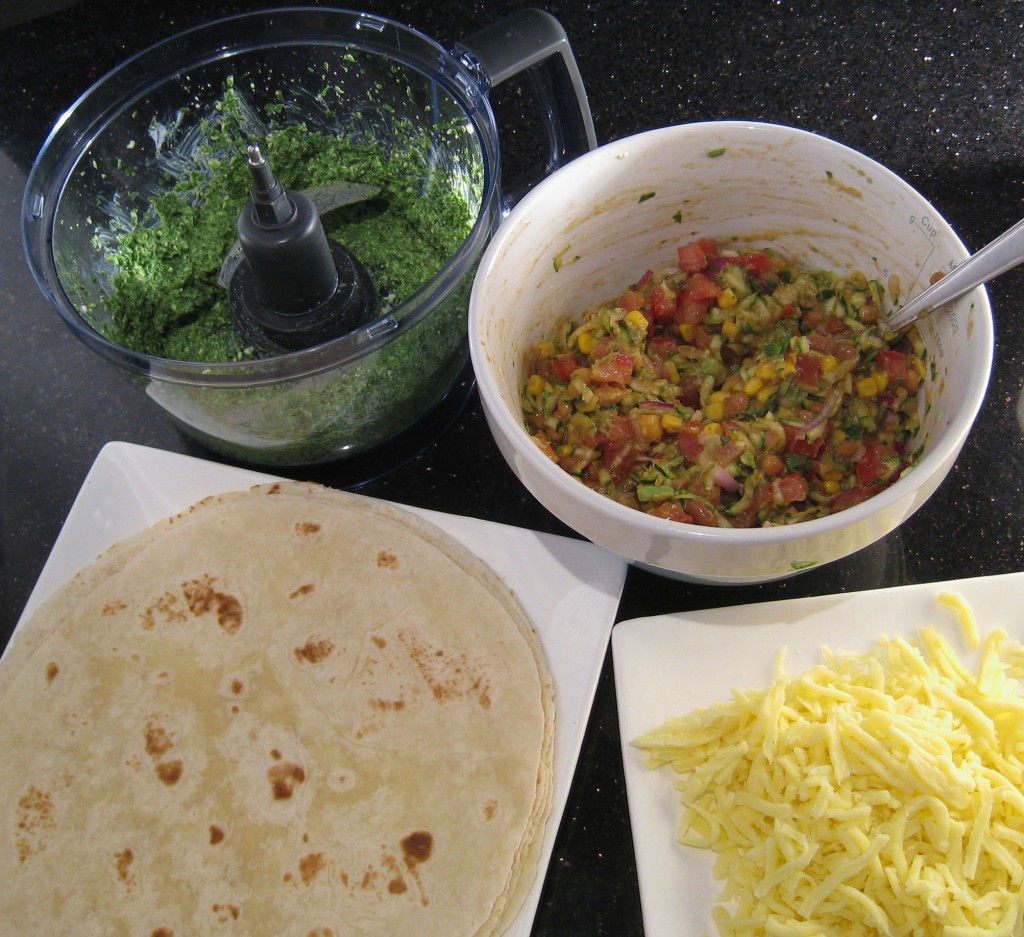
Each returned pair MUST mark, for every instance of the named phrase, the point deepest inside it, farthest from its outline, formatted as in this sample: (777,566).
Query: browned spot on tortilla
(123,863)
(162,932)
(379,641)
(165,607)
(387,560)
(310,866)
(306,528)
(170,772)
(158,740)
(52,669)
(112,608)
(417,847)
(237,686)
(314,651)
(387,705)
(397,886)
(216,834)
(225,912)
(490,809)
(274,489)
(37,819)
(321,932)
(275,754)
(202,598)
(449,677)
(302,590)
(284,776)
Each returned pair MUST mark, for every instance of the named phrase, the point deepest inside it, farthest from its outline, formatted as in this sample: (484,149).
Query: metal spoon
(996,257)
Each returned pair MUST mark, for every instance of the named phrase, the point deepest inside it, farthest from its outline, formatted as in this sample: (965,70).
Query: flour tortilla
(292,712)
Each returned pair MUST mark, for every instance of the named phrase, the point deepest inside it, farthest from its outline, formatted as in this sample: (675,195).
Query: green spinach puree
(166,300)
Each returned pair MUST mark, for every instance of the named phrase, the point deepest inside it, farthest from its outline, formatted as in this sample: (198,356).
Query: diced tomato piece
(701,289)
(878,463)
(631,300)
(615,369)
(728,452)
(709,246)
(602,347)
(689,391)
(692,258)
(790,488)
(801,445)
(664,301)
(701,513)
(701,337)
(619,428)
(847,499)
(808,370)
(662,346)
(564,365)
(671,510)
(894,364)
(692,311)
(619,458)
(790,310)
(757,262)
(688,440)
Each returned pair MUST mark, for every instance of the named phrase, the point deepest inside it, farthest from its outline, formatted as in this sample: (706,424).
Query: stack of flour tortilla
(289,711)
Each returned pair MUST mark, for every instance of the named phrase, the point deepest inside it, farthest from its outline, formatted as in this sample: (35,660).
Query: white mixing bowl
(593,227)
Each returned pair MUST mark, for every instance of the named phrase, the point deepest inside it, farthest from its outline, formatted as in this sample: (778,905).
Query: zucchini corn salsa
(731,389)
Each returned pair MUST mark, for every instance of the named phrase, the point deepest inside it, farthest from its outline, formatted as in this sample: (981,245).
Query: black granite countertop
(931,88)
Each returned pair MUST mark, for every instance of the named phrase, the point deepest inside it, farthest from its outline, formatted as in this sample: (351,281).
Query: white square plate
(669,665)
(570,589)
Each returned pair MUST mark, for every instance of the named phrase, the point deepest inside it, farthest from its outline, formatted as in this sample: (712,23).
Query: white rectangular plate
(570,589)
(669,665)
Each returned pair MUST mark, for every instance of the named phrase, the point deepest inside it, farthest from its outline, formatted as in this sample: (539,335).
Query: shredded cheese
(875,795)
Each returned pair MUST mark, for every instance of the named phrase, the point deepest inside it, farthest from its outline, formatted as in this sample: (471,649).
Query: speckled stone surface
(931,89)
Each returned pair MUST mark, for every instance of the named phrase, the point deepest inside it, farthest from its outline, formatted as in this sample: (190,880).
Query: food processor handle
(534,41)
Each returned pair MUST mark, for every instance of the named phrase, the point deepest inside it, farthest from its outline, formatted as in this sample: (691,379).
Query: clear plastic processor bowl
(594,226)
(134,133)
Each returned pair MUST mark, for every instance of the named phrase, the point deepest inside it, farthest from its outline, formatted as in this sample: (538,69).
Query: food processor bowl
(159,120)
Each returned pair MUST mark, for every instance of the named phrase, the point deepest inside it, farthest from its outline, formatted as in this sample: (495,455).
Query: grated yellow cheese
(875,795)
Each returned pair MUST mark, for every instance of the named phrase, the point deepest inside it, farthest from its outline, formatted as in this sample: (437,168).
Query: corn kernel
(535,385)
(866,387)
(764,393)
(727,299)
(838,436)
(830,486)
(585,343)
(713,428)
(650,427)
(829,363)
(671,372)
(731,329)
(564,450)
(636,319)
(834,475)
(715,410)
(788,367)
(753,386)
(881,380)
(718,395)
(686,331)
(545,350)
(766,371)
(671,423)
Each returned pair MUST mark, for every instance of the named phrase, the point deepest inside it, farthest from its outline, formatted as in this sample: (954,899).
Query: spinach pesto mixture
(166,300)
(731,389)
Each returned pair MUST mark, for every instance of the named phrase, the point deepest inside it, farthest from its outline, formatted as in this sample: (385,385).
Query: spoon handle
(996,257)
